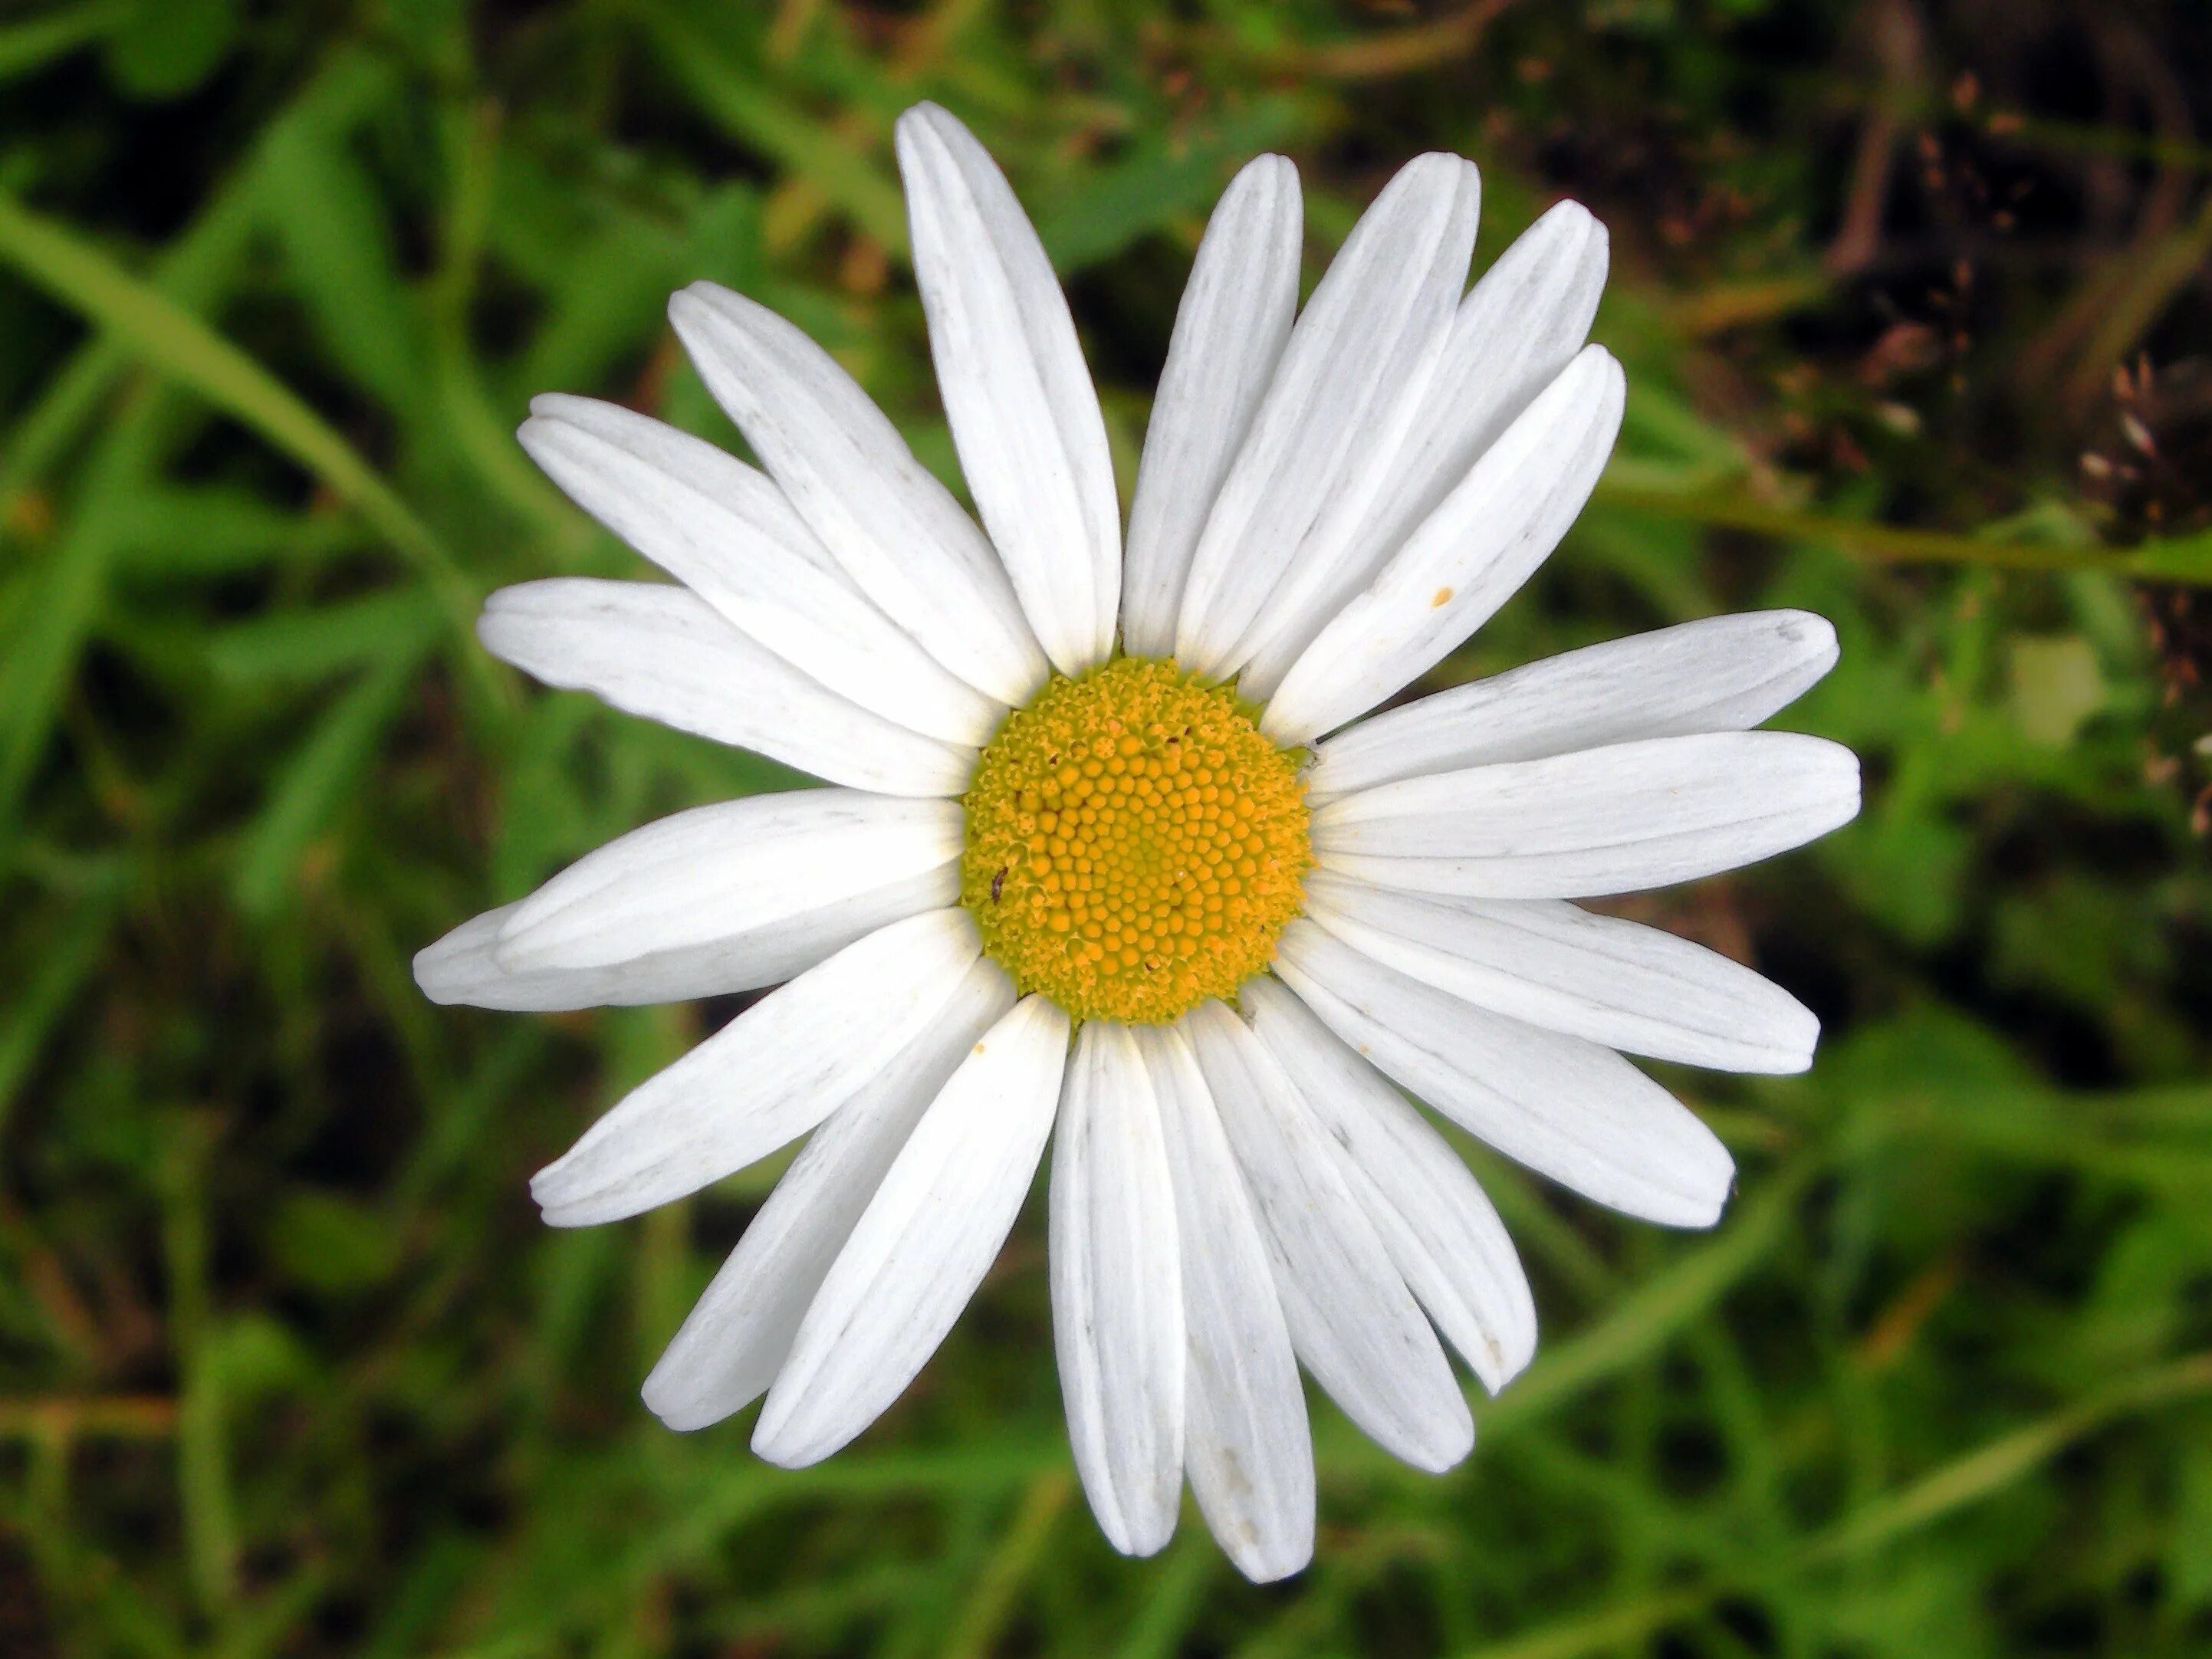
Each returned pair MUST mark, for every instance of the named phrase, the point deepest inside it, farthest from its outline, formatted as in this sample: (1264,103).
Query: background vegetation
(1913,298)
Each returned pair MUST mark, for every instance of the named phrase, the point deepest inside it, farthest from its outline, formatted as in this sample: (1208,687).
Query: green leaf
(174,340)
(334,229)
(389,628)
(190,534)
(326,1242)
(29,46)
(327,771)
(166,48)
(750,110)
(1159,180)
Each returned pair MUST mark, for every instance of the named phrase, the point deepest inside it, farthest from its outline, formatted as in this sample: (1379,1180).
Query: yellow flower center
(1135,845)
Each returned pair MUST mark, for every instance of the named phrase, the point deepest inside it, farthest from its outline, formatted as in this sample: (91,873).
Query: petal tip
(1568,217)
(1811,637)
(925,121)
(1147,1536)
(677,1407)
(554,405)
(778,1439)
(549,1189)
(701,302)
(1795,1043)
(1850,783)
(435,968)
(1702,1210)
(1446,1446)
(1270,1561)
(1515,1356)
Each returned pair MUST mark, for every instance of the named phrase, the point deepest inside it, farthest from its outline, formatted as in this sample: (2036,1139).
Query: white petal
(1565,1108)
(894,528)
(1611,820)
(1352,1320)
(1023,413)
(664,653)
(1246,1442)
(724,530)
(1513,334)
(923,1242)
(1613,981)
(1722,674)
(720,871)
(1117,1291)
(1236,314)
(1441,1231)
(1324,425)
(466,965)
(740,1332)
(1468,558)
(460,968)
(769,1075)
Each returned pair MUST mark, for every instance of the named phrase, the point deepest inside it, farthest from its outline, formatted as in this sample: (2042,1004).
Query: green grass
(288,1364)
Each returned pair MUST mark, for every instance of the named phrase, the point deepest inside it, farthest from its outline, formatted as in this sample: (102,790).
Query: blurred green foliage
(286,1363)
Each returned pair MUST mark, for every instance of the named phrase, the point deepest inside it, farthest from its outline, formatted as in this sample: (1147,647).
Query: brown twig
(1896,32)
(66,1416)
(1402,51)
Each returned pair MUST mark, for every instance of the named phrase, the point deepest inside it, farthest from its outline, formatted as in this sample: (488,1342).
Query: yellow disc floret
(1135,845)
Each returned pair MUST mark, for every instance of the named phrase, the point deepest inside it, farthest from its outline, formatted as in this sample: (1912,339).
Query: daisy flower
(1110,860)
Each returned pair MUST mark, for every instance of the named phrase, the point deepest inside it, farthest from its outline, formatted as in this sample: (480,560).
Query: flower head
(1107,861)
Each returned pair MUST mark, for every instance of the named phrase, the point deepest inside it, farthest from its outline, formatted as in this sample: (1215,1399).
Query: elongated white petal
(1513,334)
(1565,1108)
(468,965)
(1023,413)
(1722,674)
(740,1332)
(894,528)
(1236,314)
(769,1075)
(1327,421)
(1352,1320)
(1603,821)
(726,531)
(1441,1231)
(1613,981)
(1117,1291)
(663,652)
(923,1243)
(1246,1442)
(720,871)
(1468,557)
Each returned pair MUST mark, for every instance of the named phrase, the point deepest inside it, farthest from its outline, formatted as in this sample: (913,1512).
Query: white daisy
(1107,863)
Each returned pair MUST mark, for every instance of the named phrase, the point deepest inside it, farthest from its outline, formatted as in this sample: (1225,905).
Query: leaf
(2185,559)
(2189,1552)
(326,211)
(83,278)
(392,627)
(72,956)
(321,775)
(1160,179)
(851,176)
(2056,685)
(167,48)
(189,532)
(325,1242)
(29,46)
